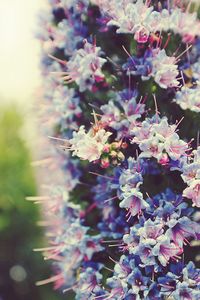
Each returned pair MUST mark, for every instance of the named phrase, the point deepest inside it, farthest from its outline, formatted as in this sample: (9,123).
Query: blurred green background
(20,267)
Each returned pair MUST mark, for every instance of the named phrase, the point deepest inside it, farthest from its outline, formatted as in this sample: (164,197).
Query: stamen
(108,269)
(41,162)
(70,288)
(96,121)
(177,58)
(58,60)
(98,297)
(188,6)
(110,199)
(129,55)
(116,262)
(107,177)
(37,198)
(116,245)
(49,280)
(57,139)
(156,107)
(167,41)
(179,122)
(45,249)
(114,63)
(111,241)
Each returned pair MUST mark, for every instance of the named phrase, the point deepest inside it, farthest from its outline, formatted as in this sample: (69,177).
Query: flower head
(89,146)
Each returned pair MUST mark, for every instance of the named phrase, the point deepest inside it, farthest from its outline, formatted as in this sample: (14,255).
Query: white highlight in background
(19,50)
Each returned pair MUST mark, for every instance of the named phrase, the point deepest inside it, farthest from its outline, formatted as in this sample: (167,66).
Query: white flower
(89,146)
(85,66)
(193,192)
(185,24)
(189,98)
(132,17)
(191,176)
(159,140)
(64,37)
(152,147)
(175,147)
(165,69)
(163,129)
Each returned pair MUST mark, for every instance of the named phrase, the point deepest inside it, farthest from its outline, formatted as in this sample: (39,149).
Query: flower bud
(105,163)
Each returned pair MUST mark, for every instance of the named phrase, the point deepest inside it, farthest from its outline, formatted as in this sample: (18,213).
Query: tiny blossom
(85,66)
(158,139)
(193,192)
(67,106)
(191,169)
(88,284)
(141,66)
(155,63)
(191,176)
(165,69)
(89,146)
(178,286)
(122,112)
(189,98)
(78,6)
(181,229)
(181,22)
(64,37)
(137,281)
(133,201)
(150,242)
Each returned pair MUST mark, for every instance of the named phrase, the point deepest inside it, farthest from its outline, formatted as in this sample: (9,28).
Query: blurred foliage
(20,267)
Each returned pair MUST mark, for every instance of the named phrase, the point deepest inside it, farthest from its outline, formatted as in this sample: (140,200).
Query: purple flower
(137,281)
(133,201)
(166,251)
(182,229)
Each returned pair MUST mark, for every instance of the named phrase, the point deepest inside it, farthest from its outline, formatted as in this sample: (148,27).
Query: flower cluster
(122,112)
(155,64)
(140,19)
(156,138)
(120,165)
(84,67)
(191,176)
(130,181)
(89,146)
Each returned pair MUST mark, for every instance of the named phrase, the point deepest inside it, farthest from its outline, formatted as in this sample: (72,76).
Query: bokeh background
(20,267)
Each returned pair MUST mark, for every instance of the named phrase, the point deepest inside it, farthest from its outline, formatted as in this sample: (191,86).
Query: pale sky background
(19,50)
(19,60)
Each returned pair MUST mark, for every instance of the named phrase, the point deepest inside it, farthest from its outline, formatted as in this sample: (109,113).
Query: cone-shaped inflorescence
(121,97)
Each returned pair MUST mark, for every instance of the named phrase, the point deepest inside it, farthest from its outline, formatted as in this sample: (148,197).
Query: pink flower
(141,35)
(175,147)
(184,23)
(84,67)
(166,251)
(165,69)
(193,192)
(137,18)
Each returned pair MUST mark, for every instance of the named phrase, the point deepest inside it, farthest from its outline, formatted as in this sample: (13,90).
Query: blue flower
(140,66)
